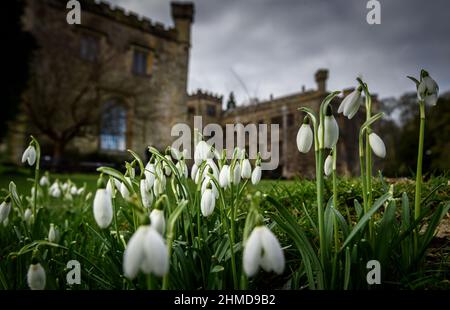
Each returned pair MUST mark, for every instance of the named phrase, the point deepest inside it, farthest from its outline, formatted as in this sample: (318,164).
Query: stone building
(142,95)
(155,59)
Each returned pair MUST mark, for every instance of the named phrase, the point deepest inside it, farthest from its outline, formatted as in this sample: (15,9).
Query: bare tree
(66,91)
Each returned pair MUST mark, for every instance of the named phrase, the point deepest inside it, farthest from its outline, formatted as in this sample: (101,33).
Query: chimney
(321,80)
(183,16)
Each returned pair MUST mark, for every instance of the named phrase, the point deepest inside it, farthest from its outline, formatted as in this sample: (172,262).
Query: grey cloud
(275,46)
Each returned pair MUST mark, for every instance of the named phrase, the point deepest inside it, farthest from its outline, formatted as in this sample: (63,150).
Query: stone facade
(147,54)
(162,99)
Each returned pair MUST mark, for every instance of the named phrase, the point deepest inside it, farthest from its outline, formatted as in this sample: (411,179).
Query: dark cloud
(275,46)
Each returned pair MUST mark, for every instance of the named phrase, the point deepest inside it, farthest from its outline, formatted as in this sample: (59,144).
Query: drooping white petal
(224,176)
(194,171)
(146,194)
(27,215)
(252,252)
(157,221)
(182,169)
(246,171)
(331,132)
(103,212)
(273,257)
(207,202)
(350,104)
(212,168)
(52,234)
(134,253)
(304,138)
(150,174)
(202,152)
(124,189)
(5,209)
(29,155)
(44,181)
(377,145)
(431,100)
(156,254)
(36,277)
(159,186)
(256,175)
(328,166)
(355,107)
(236,174)
(207,182)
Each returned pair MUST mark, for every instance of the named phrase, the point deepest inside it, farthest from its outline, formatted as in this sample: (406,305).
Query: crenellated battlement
(205,95)
(119,14)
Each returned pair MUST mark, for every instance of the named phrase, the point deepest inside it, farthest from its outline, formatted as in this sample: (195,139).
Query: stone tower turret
(183,16)
(321,80)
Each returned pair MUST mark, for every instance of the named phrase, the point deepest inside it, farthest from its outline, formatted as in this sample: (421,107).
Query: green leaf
(348,266)
(363,221)
(217,268)
(15,197)
(358,208)
(141,164)
(405,212)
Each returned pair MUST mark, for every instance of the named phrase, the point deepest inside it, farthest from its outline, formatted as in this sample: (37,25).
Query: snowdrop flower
(124,189)
(224,176)
(53,234)
(55,192)
(28,215)
(328,166)
(182,168)
(157,221)
(146,194)
(304,137)
(44,181)
(176,154)
(246,171)
(166,167)
(256,175)
(208,183)
(202,152)
(236,174)
(208,202)
(239,153)
(117,185)
(65,186)
(194,171)
(150,174)
(377,145)
(428,89)
(159,186)
(5,209)
(80,191)
(331,135)
(262,249)
(146,252)
(103,211)
(350,105)
(36,277)
(29,155)
(73,190)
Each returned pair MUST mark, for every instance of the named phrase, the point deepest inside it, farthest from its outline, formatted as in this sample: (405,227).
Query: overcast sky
(275,46)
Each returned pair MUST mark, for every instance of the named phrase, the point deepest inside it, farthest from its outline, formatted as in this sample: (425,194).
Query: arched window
(113,126)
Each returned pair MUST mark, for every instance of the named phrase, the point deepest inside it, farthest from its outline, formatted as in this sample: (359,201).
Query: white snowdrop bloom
(239,153)
(246,171)
(65,186)
(377,145)
(146,194)
(211,167)
(428,89)
(55,192)
(350,105)
(159,186)
(176,154)
(103,211)
(145,252)
(208,202)
(194,171)
(224,176)
(80,191)
(235,174)
(73,190)
(124,189)
(256,175)
(304,138)
(29,155)
(207,181)
(157,221)
(36,277)
(5,209)
(44,181)
(262,249)
(28,215)
(182,168)
(202,152)
(331,132)
(166,167)
(117,185)
(328,166)
(150,174)
(53,233)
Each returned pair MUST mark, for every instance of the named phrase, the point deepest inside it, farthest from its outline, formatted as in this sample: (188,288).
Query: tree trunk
(58,151)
